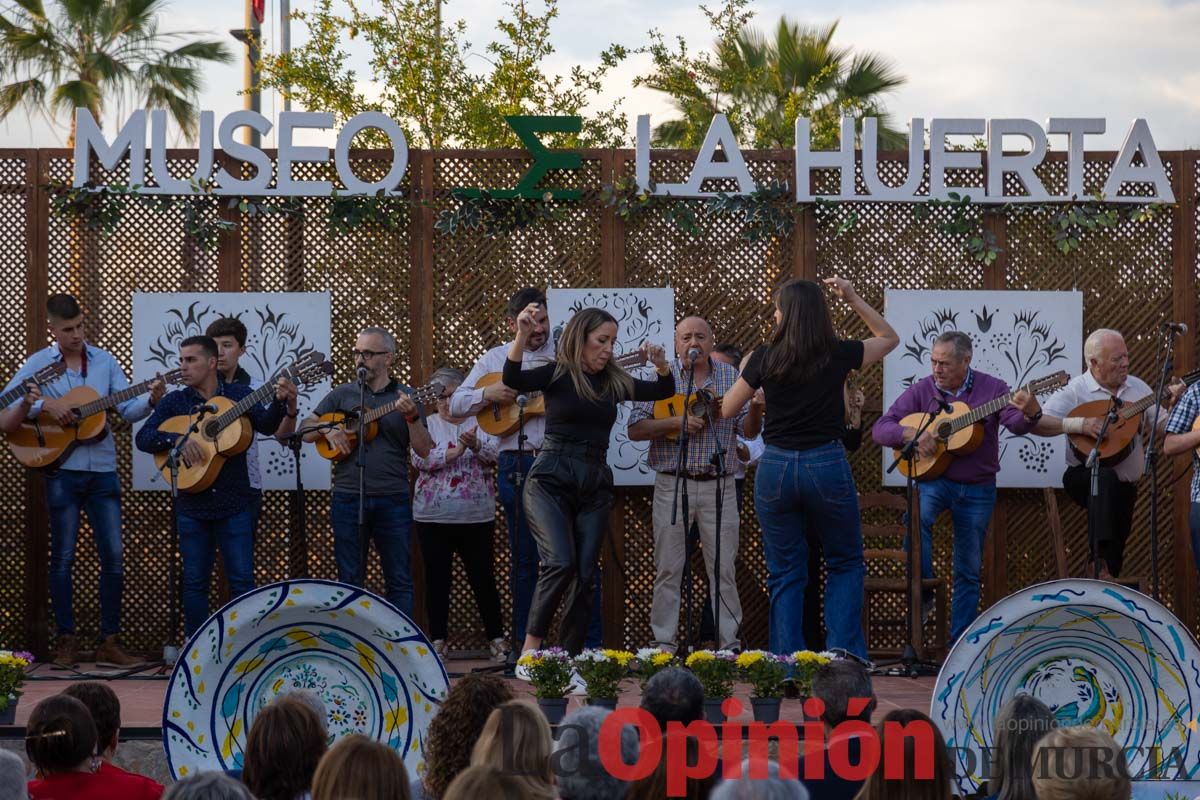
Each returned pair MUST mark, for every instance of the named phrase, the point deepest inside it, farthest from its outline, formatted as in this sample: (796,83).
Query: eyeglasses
(367,354)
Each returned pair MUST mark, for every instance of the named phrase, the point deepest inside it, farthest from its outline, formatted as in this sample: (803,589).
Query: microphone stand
(294,440)
(1093,464)
(360,460)
(910,662)
(509,667)
(718,461)
(685,579)
(1167,349)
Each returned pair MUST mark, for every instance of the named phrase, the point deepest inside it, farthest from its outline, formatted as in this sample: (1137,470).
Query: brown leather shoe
(66,654)
(110,654)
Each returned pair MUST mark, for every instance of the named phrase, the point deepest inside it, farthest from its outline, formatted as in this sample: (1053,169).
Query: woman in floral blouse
(454,507)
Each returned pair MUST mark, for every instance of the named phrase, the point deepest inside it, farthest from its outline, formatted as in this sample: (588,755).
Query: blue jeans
(523,552)
(68,492)
(198,541)
(970,507)
(388,520)
(810,494)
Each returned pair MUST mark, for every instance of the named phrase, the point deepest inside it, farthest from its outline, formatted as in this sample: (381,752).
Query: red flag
(257,7)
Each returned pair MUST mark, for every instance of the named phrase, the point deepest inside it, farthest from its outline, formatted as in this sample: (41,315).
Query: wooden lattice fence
(443,297)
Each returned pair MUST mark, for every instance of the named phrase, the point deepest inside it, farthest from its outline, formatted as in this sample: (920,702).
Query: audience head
(731,354)
(516,738)
(208,786)
(835,684)
(479,782)
(1080,763)
(919,734)
(456,727)
(654,786)
(60,735)
(12,776)
(579,772)
(313,701)
(105,708)
(284,745)
(674,695)
(361,768)
(772,787)
(1020,724)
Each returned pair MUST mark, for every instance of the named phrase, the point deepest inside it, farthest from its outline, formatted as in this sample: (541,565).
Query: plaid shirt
(664,453)
(1182,416)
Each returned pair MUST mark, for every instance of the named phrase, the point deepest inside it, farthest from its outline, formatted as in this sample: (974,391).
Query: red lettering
(896,751)
(649,736)
(758,736)
(679,771)
(731,739)
(839,751)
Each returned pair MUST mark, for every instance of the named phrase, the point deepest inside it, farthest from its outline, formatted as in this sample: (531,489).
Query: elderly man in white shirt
(1107,376)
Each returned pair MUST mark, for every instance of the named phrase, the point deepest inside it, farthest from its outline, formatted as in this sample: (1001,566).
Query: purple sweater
(978,467)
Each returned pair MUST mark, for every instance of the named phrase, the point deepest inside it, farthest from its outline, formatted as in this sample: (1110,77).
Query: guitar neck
(115,399)
(1138,406)
(13,395)
(983,412)
(248,402)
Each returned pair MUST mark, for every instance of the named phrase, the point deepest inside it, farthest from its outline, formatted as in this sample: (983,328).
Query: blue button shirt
(231,492)
(105,375)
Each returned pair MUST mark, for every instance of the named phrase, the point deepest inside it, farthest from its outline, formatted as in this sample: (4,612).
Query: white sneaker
(521,673)
(499,648)
(577,686)
(439,647)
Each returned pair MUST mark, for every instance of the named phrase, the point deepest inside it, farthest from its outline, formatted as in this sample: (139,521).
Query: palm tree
(92,51)
(763,84)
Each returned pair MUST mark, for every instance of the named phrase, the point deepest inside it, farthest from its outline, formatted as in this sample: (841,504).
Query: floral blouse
(462,491)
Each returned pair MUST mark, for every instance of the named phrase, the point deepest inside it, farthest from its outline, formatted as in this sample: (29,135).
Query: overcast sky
(1117,59)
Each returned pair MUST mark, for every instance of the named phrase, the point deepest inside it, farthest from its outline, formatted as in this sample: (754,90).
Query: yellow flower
(622,657)
(700,657)
(809,657)
(526,660)
(748,657)
(659,659)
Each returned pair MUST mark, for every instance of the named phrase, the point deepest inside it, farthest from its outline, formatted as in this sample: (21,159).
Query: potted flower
(650,661)
(12,675)
(602,671)
(550,674)
(716,670)
(766,673)
(806,663)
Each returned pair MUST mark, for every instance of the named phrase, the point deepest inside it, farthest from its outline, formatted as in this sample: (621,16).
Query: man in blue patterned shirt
(86,481)
(694,335)
(1181,438)
(223,514)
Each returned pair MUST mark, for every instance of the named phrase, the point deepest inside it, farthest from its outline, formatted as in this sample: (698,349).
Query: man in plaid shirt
(703,482)
(1181,438)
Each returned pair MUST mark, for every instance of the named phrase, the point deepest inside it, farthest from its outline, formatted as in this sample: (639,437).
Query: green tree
(91,52)
(420,65)
(763,83)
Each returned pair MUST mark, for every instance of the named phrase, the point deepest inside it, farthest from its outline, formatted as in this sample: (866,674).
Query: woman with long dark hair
(804,490)
(568,493)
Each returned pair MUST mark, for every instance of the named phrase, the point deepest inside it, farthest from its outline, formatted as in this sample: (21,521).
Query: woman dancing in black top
(568,492)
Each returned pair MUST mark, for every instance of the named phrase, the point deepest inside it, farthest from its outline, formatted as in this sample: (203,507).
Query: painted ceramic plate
(372,667)
(1094,652)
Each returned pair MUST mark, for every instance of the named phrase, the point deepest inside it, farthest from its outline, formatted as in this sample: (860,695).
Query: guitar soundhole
(944,429)
(211,429)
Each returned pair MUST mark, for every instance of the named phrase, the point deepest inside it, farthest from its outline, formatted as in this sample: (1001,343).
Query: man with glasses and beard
(387,504)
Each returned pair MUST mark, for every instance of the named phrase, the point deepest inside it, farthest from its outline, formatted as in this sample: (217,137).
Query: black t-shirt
(803,414)
(570,416)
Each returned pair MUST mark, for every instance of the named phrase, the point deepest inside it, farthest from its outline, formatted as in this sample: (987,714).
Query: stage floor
(142,697)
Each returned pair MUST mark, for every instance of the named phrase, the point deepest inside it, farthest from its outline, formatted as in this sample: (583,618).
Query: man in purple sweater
(968,487)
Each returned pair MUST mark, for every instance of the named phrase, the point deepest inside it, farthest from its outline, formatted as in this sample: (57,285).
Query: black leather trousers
(568,495)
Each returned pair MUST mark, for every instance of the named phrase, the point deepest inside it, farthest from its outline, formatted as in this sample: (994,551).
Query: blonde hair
(516,739)
(361,768)
(1059,774)
(474,783)
(615,383)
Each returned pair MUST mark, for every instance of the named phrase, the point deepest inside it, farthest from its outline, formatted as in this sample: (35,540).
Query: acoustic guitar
(354,421)
(696,404)
(42,443)
(502,419)
(45,375)
(959,432)
(1121,434)
(227,432)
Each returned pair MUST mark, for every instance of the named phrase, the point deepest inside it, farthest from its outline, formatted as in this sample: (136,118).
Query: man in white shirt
(468,400)
(1107,376)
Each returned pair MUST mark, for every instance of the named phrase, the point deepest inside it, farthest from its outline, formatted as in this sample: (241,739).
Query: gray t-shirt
(387,453)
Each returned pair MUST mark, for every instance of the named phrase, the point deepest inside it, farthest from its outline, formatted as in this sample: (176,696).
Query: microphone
(207,408)
(692,354)
(945,407)
(362,374)
(1174,327)
(522,400)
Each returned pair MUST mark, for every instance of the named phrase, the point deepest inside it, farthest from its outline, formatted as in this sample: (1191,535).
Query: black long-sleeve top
(570,416)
